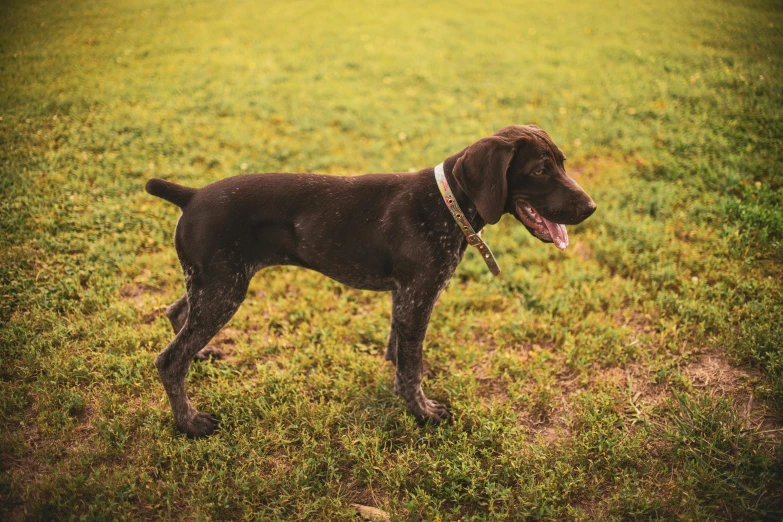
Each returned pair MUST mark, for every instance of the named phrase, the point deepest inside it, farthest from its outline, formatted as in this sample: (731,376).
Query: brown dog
(385,232)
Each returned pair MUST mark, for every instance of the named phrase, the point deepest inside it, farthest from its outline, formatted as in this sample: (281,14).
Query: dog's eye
(539,172)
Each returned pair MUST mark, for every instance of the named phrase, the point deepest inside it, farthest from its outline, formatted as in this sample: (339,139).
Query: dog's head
(519,170)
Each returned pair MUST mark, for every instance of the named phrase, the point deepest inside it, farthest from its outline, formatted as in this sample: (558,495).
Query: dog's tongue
(558,233)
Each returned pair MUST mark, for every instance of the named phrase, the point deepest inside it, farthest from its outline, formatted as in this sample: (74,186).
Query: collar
(473,238)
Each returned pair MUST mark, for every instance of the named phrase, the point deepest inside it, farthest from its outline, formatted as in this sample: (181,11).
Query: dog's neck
(462,218)
(465,203)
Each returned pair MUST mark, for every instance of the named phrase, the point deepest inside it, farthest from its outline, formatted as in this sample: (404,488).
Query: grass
(639,374)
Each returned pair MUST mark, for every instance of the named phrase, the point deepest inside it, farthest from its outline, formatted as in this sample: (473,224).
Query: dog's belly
(359,279)
(363,266)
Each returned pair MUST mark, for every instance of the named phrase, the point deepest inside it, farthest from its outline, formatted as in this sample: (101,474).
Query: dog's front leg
(411,309)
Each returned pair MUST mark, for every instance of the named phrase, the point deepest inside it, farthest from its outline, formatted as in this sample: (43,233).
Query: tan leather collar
(473,238)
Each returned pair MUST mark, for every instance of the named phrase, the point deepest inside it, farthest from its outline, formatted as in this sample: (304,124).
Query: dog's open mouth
(541,227)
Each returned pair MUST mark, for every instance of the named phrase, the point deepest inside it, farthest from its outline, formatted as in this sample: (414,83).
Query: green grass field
(637,375)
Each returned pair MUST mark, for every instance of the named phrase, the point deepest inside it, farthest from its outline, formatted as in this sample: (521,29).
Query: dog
(403,233)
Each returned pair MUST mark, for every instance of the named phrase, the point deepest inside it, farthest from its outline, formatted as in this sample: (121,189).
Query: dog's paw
(199,425)
(209,352)
(431,412)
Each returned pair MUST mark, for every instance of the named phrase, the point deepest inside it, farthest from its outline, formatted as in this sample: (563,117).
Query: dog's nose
(588,209)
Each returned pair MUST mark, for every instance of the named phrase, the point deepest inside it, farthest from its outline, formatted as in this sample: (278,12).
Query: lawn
(638,374)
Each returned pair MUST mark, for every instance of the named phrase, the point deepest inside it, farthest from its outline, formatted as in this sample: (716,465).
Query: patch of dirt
(226,341)
(711,371)
(151,317)
(228,335)
(364,497)
(277,464)
(551,426)
(643,392)
(714,372)
(557,424)
(85,418)
(643,395)
(554,424)
(136,292)
(492,389)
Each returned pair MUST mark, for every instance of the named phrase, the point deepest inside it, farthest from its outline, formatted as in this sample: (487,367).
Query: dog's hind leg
(391,347)
(212,303)
(177,313)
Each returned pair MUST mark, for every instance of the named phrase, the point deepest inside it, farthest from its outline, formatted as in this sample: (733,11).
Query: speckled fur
(383,232)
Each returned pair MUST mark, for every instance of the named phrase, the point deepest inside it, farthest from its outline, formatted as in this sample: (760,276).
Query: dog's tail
(172,192)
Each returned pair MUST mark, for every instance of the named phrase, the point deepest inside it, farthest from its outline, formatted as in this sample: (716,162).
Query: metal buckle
(474,239)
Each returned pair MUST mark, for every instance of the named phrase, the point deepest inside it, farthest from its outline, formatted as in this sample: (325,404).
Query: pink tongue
(558,233)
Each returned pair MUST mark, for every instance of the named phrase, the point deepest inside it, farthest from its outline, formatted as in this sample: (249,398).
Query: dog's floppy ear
(481,174)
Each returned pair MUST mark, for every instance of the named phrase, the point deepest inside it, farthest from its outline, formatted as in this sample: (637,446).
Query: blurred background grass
(638,374)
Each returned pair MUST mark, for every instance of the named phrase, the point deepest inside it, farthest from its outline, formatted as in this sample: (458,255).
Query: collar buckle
(474,239)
